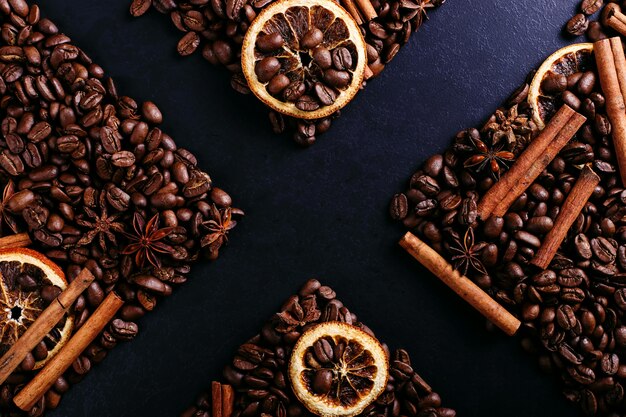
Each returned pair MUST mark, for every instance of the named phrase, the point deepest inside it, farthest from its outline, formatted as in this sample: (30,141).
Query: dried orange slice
(337,369)
(29,282)
(569,60)
(304,58)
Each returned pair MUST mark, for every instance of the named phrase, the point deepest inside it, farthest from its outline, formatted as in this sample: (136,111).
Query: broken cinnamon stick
(216,399)
(574,203)
(365,6)
(37,387)
(613,17)
(460,284)
(352,9)
(609,57)
(535,158)
(228,400)
(20,240)
(44,323)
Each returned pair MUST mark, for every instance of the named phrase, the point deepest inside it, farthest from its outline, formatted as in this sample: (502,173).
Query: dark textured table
(320,212)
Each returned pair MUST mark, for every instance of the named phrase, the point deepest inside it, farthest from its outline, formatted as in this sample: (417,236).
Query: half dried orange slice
(337,369)
(29,282)
(304,58)
(575,58)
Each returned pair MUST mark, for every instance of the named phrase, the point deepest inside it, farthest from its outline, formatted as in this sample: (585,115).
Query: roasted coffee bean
(577,25)
(336,78)
(188,43)
(269,42)
(342,59)
(590,7)
(399,207)
(553,84)
(312,38)
(267,68)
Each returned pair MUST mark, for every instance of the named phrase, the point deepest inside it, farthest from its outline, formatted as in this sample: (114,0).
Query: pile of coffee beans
(97,184)
(573,311)
(259,369)
(217,29)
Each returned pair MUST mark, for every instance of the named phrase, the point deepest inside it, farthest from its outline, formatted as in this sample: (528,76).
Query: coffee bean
(342,59)
(277,84)
(322,381)
(269,42)
(577,25)
(325,94)
(590,7)
(322,57)
(151,113)
(586,83)
(267,68)
(399,207)
(312,38)
(188,43)
(571,100)
(554,84)
(337,79)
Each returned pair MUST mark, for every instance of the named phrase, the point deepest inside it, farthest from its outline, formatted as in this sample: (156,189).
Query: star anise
(495,158)
(466,253)
(100,225)
(297,313)
(218,226)
(6,217)
(146,240)
(509,128)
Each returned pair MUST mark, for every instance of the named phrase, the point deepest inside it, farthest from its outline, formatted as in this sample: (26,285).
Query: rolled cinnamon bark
(20,240)
(609,58)
(365,6)
(228,400)
(574,203)
(216,399)
(353,10)
(44,323)
(535,158)
(460,284)
(37,387)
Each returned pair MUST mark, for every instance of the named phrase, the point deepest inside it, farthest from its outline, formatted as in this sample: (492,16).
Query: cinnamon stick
(366,8)
(574,203)
(352,9)
(228,400)
(44,323)
(216,399)
(20,240)
(613,17)
(368,73)
(38,386)
(460,284)
(535,158)
(609,57)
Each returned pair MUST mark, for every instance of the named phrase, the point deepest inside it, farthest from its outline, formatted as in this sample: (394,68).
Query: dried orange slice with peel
(337,369)
(304,58)
(29,282)
(571,59)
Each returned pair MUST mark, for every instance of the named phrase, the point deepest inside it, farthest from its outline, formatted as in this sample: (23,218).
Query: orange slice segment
(337,369)
(304,58)
(29,282)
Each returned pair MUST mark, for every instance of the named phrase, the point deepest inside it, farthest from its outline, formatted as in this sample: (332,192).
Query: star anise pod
(146,240)
(218,226)
(100,225)
(297,313)
(510,129)
(495,158)
(466,253)
(6,217)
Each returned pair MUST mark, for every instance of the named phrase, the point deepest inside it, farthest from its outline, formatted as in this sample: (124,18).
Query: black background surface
(320,212)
